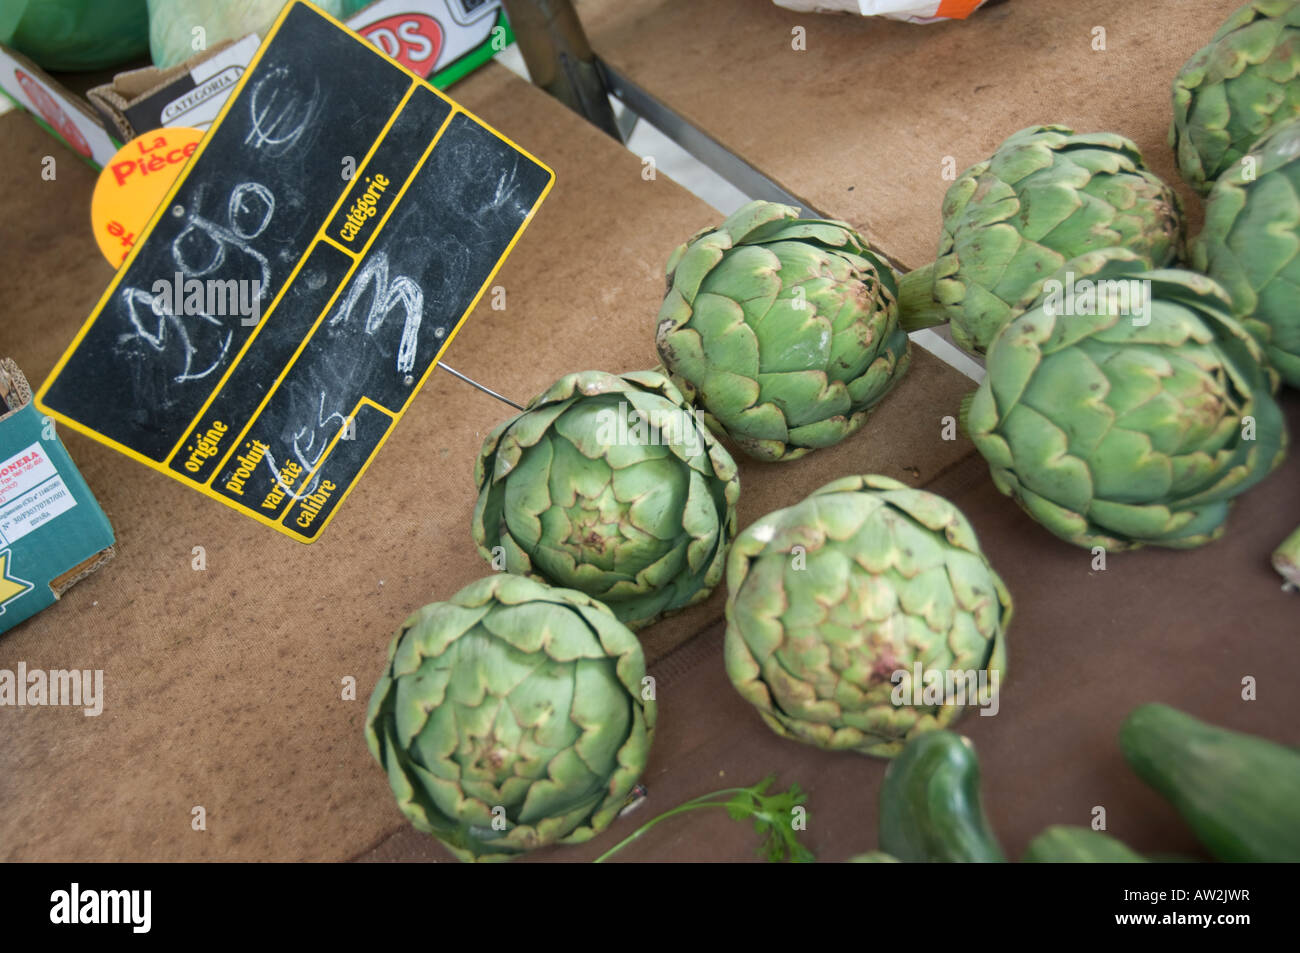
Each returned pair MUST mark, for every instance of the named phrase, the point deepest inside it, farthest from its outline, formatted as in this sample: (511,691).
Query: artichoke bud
(1251,243)
(784,331)
(1119,429)
(610,485)
(1231,92)
(511,717)
(1047,195)
(864,615)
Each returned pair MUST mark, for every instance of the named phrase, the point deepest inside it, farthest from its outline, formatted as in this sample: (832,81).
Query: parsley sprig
(773,816)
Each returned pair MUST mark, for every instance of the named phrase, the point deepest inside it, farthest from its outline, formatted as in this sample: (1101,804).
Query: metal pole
(559,58)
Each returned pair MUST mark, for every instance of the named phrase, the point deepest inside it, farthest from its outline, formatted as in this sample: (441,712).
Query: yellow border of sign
(206,489)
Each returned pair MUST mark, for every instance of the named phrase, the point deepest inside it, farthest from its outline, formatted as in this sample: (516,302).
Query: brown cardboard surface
(223,685)
(1085,648)
(860,122)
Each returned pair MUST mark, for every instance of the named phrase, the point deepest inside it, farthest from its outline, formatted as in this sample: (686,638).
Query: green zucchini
(930,804)
(1078,845)
(1239,794)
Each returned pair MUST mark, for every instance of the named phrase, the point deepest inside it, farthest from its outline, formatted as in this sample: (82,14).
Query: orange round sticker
(133,183)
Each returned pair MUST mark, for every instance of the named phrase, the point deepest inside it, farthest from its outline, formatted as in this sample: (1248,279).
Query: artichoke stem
(917,308)
(1286,560)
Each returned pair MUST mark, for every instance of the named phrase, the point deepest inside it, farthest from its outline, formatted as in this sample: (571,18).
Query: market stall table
(224,685)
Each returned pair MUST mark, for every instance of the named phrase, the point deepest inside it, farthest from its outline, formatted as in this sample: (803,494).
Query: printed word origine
(206,446)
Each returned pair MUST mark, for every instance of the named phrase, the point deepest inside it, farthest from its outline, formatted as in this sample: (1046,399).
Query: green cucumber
(1078,845)
(875,857)
(930,804)
(1239,794)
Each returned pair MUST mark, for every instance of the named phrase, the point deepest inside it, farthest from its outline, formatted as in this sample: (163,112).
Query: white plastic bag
(913,11)
(178,29)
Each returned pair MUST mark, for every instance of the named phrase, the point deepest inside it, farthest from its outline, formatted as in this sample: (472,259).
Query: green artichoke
(834,602)
(510,717)
(1286,560)
(1118,430)
(1233,90)
(1046,195)
(1251,244)
(611,486)
(783,330)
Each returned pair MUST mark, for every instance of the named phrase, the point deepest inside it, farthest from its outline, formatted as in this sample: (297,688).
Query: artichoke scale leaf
(430,631)
(977,318)
(1272,222)
(655,498)
(874,382)
(762,604)
(518,561)
(1066,523)
(793,337)
(658,578)
(674,314)
(526,429)
(745,223)
(1045,206)
(749,276)
(697,262)
(1074,387)
(1043,460)
(826,433)
(1137,523)
(804,397)
(865,348)
(560,566)
(529,495)
(379,703)
(1251,460)
(987,252)
(761,428)
(834,235)
(562,804)
(697,518)
(800,261)
(979,418)
(1127,468)
(532,632)
(1025,153)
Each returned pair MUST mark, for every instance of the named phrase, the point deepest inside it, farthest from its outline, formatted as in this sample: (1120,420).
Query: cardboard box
(63,114)
(188,94)
(441,40)
(52,532)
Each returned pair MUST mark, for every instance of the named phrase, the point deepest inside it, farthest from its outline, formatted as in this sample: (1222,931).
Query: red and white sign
(413,39)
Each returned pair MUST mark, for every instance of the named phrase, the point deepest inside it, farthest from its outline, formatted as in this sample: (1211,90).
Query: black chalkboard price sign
(300,281)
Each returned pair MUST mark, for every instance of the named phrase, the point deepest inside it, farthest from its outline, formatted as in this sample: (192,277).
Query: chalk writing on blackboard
(274,321)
